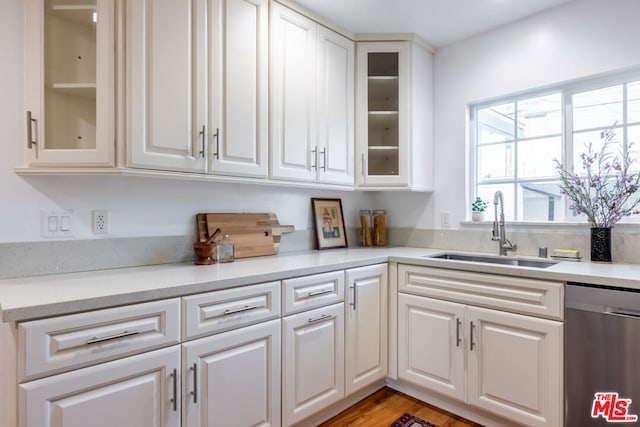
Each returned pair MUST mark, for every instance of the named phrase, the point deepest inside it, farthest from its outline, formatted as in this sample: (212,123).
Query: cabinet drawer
(62,343)
(517,294)
(230,308)
(304,293)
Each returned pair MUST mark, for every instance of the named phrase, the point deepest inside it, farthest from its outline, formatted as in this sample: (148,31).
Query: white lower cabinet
(312,361)
(233,378)
(366,326)
(510,363)
(142,390)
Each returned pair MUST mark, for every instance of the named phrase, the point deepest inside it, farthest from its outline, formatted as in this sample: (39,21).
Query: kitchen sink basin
(487,259)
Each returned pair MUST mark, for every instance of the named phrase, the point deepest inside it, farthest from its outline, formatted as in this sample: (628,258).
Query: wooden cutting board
(254,234)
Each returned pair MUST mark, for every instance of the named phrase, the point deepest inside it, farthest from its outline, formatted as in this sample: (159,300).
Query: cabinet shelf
(81,14)
(383,147)
(383,119)
(82,90)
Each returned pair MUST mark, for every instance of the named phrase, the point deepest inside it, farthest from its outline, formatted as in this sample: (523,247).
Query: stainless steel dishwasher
(602,355)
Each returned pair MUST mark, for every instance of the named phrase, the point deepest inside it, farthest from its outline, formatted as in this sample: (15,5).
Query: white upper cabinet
(311,95)
(335,108)
(293,95)
(166,107)
(238,95)
(70,95)
(197,86)
(394,110)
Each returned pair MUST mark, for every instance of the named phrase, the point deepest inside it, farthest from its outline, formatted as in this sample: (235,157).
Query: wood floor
(385,406)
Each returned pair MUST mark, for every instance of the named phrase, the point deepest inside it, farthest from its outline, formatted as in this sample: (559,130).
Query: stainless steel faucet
(499,233)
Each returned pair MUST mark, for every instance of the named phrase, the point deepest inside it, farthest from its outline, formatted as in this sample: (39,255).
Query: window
(516,140)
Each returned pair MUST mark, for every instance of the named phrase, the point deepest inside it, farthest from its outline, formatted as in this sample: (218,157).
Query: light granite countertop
(35,297)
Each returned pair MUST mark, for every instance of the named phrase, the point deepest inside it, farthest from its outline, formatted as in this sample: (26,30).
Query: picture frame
(329,223)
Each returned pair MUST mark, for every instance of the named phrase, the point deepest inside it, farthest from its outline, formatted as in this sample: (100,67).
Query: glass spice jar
(365,227)
(225,249)
(380,227)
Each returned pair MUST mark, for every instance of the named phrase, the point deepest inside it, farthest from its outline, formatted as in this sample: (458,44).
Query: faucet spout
(499,233)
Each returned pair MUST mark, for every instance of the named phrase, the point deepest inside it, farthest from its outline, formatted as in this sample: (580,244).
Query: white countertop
(44,296)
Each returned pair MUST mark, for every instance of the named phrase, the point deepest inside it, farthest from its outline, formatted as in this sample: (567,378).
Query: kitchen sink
(487,259)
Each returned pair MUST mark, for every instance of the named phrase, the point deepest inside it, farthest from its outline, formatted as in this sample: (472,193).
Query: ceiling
(439,22)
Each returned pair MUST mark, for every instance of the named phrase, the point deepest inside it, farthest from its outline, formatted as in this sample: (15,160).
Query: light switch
(65,223)
(52,223)
(57,223)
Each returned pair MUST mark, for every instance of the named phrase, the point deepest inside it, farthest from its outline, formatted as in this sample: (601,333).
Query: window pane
(495,161)
(539,116)
(495,123)
(597,108)
(580,146)
(633,136)
(540,201)
(487,192)
(535,157)
(633,98)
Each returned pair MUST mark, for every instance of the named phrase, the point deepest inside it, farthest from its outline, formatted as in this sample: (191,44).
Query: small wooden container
(205,253)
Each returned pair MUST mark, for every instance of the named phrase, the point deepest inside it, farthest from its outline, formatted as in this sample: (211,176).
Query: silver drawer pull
(322,292)
(240,310)
(318,319)
(96,340)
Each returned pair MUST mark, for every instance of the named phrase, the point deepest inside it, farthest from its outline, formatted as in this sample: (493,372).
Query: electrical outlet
(100,221)
(444,219)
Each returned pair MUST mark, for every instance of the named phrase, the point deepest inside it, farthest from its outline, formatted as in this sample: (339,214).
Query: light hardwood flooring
(386,405)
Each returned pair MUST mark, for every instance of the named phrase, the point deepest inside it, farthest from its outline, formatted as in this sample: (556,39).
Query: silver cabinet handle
(321,292)
(324,159)
(355,296)
(472,344)
(203,134)
(30,122)
(194,393)
(458,339)
(240,310)
(314,154)
(362,171)
(318,319)
(123,334)
(216,135)
(174,399)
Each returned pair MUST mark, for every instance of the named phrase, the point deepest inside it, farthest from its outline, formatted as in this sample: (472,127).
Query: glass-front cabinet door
(70,83)
(382,113)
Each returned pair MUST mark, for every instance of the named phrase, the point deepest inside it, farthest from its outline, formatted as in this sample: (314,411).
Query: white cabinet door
(431,351)
(514,366)
(238,94)
(335,108)
(166,99)
(293,95)
(70,95)
(313,361)
(142,390)
(233,379)
(394,115)
(366,326)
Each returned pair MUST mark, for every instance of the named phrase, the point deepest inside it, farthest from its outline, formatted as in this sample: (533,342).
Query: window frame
(566,90)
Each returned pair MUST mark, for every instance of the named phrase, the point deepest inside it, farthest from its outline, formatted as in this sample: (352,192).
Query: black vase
(601,245)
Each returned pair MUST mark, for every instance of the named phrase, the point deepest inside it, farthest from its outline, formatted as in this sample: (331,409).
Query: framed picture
(329,221)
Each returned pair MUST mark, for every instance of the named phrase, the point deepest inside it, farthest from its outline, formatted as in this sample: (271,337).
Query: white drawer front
(517,294)
(304,293)
(62,343)
(230,308)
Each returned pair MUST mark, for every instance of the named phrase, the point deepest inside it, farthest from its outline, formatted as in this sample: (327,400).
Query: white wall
(578,39)
(138,206)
